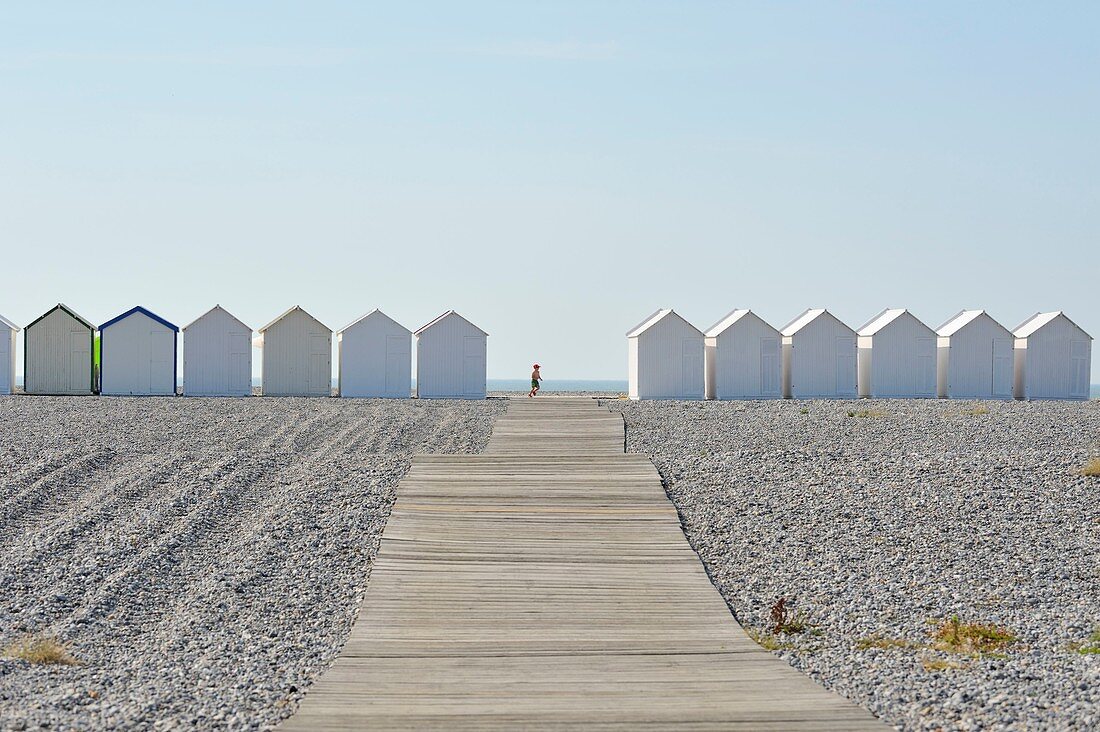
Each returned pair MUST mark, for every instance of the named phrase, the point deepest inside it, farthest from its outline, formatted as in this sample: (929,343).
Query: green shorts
(534,383)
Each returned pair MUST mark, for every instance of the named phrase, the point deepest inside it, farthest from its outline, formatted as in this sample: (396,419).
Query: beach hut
(1052,358)
(217,355)
(297,355)
(665,358)
(8,332)
(742,358)
(137,355)
(973,357)
(896,357)
(58,354)
(819,357)
(375,357)
(450,359)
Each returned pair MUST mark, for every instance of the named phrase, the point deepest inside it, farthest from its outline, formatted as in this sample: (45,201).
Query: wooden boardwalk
(547,584)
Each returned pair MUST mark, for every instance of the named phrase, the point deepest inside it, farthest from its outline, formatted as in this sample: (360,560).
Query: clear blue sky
(553,171)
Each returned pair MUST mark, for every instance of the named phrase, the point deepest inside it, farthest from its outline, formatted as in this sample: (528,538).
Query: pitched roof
(288,312)
(143,311)
(657,317)
(648,323)
(9,324)
(375,312)
(808,316)
(448,314)
(880,321)
(219,307)
(1037,321)
(727,320)
(957,321)
(62,306)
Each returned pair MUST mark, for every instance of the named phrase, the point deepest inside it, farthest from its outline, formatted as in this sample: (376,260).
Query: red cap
(535,366)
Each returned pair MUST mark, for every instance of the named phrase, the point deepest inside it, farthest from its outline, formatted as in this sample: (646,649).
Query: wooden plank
(547,584)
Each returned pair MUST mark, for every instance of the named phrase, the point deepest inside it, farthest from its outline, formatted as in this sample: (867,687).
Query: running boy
(536,377)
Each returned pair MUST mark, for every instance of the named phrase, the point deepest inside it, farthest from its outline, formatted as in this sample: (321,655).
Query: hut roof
(1037,321)
(63,307)
(957,321)
(374,312)
(288,312)
(425,327)
(143,311)
(880,321)
(219,307)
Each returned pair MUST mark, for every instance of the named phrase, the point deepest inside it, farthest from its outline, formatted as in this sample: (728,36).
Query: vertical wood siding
(58,356)
(450,361)
(821,360)
(744,361)
(375,358)
(900,361)
(138,357)
(670,361)
(1054,362)
(217,356)
(297,357)
(7,360)
(977,361)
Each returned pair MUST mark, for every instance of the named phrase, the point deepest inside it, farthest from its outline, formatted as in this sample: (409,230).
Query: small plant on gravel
(976,411)
(1092,468)
(785,620)
(768,641)
(41,649)
(803,411)
(1091,647)
(955,636)
(868,414)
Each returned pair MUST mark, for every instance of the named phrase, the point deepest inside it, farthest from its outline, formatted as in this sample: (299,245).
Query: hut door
(769,366)
(691,374)
(845,366)
(239,377)
(397,374)
(926,367)
(161,355)
(1002,368)
(319,375)
(473,366)
(1079,369)
(80,361)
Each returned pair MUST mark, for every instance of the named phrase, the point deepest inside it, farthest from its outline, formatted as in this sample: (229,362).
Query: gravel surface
(883,518)
(203,559)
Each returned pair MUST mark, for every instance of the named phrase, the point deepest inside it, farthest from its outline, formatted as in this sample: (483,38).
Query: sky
(554,172)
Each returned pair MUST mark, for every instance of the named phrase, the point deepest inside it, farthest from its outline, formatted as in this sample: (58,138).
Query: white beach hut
(375,357)
(819,357)
(742,358)
(973,357)
(297,355)
(665,358)
(8,333)
(1052,358)
(57,354)
(217,355)
(897,357)
(137,355)
(450,359)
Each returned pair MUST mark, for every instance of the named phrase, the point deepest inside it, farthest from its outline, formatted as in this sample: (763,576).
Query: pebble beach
(879,522)
(202,560)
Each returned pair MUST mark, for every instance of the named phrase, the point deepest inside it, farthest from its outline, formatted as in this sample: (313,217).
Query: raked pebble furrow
(202,558)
